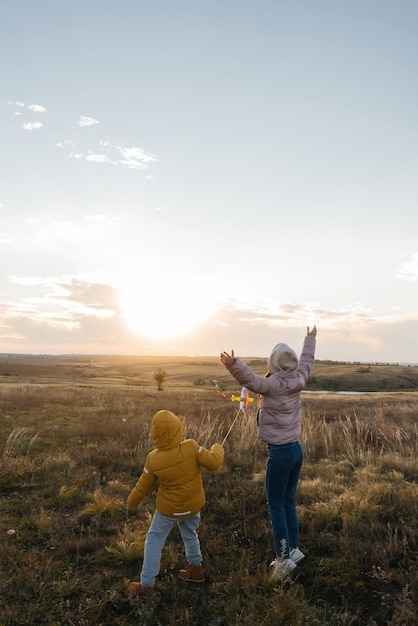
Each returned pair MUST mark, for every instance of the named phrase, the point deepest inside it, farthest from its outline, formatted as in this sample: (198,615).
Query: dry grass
(70,454)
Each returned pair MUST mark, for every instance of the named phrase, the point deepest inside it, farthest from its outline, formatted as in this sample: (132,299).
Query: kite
(218,389)
(244,398)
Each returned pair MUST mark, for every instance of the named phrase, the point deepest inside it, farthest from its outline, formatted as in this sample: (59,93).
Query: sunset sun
(163,313)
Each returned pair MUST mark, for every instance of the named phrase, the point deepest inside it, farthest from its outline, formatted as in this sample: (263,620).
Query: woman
(279,425)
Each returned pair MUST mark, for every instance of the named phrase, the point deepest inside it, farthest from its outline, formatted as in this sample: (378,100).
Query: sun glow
(164,311)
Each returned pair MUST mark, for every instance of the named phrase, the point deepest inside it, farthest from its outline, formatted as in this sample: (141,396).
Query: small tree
(159,377)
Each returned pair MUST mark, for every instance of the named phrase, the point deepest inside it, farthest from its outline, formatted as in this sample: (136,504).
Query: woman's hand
(228,359)
(311,333)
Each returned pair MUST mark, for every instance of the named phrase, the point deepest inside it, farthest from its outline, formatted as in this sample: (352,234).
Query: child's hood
(166,430)
(282,359)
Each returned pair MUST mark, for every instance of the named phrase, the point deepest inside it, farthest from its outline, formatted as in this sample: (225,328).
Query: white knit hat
(282,358)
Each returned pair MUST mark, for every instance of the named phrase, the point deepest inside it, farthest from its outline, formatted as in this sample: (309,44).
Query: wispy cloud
(277,315)
(286,315)
(135,158)
(34,108)
(409,270)
(82,314)
(32,125)
(343,332)
(98,158)
(67,142)
(37,108)
(130,157)
(61,300)
(84,120)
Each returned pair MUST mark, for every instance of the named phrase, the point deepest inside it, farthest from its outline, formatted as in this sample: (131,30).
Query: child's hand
(311,333)
(228,359)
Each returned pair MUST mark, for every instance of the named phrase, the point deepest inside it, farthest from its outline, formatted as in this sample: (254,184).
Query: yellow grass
(71,451)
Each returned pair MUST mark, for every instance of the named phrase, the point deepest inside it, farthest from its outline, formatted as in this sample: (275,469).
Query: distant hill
(194,371)
(333,376)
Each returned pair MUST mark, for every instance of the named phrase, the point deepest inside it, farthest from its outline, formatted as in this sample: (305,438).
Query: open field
(73,439)
(195,372)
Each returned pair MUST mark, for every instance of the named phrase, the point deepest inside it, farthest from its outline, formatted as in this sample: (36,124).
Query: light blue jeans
(282,475)
(156,537)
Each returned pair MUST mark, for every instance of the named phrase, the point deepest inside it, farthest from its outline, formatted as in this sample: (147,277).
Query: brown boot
(138,590)
(192,573)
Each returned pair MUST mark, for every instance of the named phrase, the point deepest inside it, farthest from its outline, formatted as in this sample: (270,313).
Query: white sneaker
(282,568)
(296,555)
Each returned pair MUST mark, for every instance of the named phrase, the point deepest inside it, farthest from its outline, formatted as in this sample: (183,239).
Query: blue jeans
(282,475)
(156,537)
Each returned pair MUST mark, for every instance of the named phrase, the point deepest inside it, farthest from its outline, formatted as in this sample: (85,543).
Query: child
(279,426)
(175,463)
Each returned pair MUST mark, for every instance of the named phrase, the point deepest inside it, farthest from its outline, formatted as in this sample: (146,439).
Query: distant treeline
(375,363)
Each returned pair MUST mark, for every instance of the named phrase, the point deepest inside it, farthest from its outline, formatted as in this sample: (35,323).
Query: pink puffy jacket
(280,405)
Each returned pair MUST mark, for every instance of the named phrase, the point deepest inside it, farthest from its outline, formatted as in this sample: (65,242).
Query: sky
(181,177)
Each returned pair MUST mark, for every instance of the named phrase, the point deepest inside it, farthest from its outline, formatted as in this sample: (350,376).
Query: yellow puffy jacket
(175,464)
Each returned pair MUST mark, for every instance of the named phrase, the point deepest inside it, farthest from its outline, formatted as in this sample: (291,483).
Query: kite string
(231,427)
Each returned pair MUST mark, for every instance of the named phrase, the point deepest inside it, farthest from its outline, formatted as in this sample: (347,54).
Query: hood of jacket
(282,359)
(166,430)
